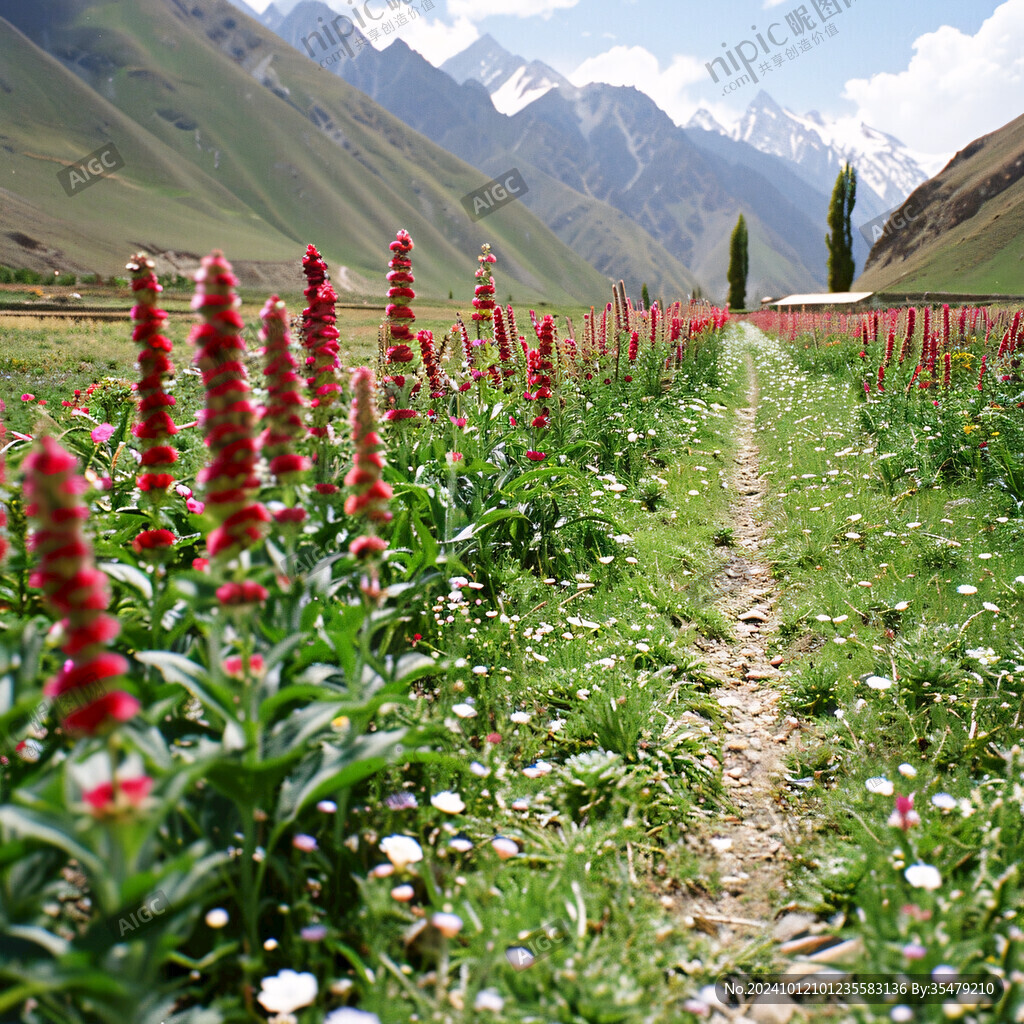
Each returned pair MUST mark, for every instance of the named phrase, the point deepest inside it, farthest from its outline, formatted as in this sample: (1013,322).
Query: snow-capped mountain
(513,82)
(887,172)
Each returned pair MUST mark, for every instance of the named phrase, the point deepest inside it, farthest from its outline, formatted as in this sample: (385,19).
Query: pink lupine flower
(155,427)
(400,293)
(229,418)
(370,493)
(284,403)
(108,801)
(233,665)
(76,589)
(102,433)
(904,816)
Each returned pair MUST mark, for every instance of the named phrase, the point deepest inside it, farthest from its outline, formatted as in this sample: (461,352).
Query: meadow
(381,694)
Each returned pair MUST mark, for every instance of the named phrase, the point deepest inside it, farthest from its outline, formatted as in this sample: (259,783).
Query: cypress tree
(840,236)
(738,265)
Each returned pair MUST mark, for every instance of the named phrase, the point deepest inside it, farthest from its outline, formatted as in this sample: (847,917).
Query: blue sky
(934,73)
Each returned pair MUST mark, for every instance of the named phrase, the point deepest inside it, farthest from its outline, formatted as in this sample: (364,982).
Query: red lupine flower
(431,364)
(155,427)
(367,545)
(501,339)
(153,540)
(290,516)
(461,335)
(536,456)
(483,293)
(540,359)
(76,589)
(400,354)
(400,278)
(908,336)
(634,346)
(284,403)
(229,418)
(248,592)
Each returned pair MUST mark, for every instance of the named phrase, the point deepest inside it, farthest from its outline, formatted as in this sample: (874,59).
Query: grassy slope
(250,161)
(968,224)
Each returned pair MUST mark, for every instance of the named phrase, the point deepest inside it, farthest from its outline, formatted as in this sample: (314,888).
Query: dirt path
(747,851)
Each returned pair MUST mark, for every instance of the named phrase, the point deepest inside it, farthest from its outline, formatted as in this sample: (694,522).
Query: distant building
(820,300)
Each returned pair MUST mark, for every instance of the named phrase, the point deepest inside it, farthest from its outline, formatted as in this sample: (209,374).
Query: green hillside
(965,227)
(231,139)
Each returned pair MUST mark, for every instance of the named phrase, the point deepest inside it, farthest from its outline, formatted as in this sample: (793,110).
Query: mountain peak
(705,121)
(763,101)
(485,60)
(513,82)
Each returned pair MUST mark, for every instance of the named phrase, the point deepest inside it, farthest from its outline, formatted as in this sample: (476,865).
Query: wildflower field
(383,694)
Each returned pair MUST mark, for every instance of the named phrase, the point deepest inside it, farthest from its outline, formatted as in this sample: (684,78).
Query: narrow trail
(746,852)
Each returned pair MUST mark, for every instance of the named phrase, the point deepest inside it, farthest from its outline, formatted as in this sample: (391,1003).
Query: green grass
(902,615)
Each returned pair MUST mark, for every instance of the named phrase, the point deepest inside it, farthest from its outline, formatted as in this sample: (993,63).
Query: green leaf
(179,670)
(134,579)
(53,832)
(331,769)
(53,944)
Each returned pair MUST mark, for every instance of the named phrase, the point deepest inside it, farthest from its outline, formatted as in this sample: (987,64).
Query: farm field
(547,682)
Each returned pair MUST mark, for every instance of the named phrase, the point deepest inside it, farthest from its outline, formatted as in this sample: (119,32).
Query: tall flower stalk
(284,403)
(431,364)
(369,492)
(320,340)
(229,418)
(74,588)
(156,426)
(4,545)
(483,292)
(400,292)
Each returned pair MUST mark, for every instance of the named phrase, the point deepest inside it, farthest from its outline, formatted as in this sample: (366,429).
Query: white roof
(822,299)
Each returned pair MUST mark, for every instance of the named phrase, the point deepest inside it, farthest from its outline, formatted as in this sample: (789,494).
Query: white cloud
(476,10)
(436,41)
(956,87)
(637,66)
